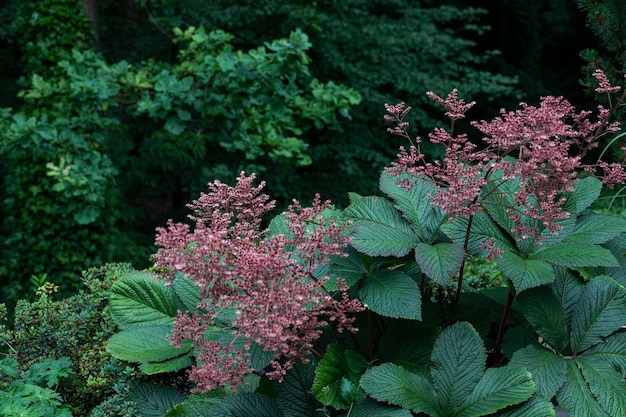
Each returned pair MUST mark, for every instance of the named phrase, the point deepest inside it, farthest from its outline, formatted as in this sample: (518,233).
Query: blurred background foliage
(115,114)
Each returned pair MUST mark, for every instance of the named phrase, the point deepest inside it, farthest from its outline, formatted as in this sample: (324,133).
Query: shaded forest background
(117,113)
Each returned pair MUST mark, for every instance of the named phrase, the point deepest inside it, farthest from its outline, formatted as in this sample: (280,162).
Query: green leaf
(525,273)
(440,261)
(576,397)
(378,229)
(198,405)
(169,365)
(484,229)
(458,362)
(393,384)
(574,255)
(597,228)
(543,310)
(498,388)
(349,268)
(331,371)
(408,344)
(174,126)
(293,392)
(187,292)
(414,203)
(536,406)
(155,400)
(611,350)
(586,191)
(567,288)
(87,215)
(370,408)
(607,385)
(391,293)
(600,312)
(139,299)
(145,344)
(547,368)
(247,404)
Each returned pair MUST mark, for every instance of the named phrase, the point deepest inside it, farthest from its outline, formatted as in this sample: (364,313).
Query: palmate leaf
(155,400)
(574,255)
(576,397)
(293,392)
(458,362)
(536,406)
(567,288)
(139,299)
(543,310)
(612,350)
(586,191)
(393,384)
(247,404)
(440,261)
(378,229)
(414,203)
(498,388)
(597,228)
(483,230)
(607,385)
(370,408)
(601,310)
(547,368)
(391,293)
(525,273)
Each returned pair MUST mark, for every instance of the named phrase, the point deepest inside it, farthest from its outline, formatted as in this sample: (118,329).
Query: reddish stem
(497,350)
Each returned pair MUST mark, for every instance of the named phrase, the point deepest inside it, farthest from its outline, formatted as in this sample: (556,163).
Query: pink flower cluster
(541,147)
(267,281)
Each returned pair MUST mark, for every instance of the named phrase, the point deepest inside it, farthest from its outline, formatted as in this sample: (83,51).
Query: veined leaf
(169,365)
(139,299)
(145,344)
(575,396)
(370,408)
(393,384)
(567,288)
(600,311)
(606,384)
(414,203)
(597,228)
(458,362)
(543,310)
(247,404)
(188,292)
(293,392)
(483,230)
(574,255)
(611,350)
(349,268)
(586,191)
(548,369)
(525,273)
(408,344)
(198,405)
(392,293)
(378,229)
(536,406)
(497,389)
(440,261)
(155,400)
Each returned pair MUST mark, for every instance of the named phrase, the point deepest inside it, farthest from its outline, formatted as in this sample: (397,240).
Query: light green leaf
(547,368)
(574,255)
(440,261)
(498,388)
(145,344)
(597,228)
(525,273)
(392,294)
(414,203)
(606,384)
(575,396)
(378,229)
(393,384)
(543,310)
(139,299)
(600,311)
(458,362)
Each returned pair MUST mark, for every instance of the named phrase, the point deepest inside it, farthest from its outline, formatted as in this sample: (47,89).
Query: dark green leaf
(155,400)
(391,293)
(525,273)
(575,396)
(574,255)
(484,229)
(247,404)
(293,393)
(543,310)
(440,261)
(548,369)
(597,228)
(607,385)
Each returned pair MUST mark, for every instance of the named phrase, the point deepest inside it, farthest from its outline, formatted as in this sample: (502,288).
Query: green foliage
(61,345)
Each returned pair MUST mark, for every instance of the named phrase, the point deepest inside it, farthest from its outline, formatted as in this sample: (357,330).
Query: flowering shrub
(268,281)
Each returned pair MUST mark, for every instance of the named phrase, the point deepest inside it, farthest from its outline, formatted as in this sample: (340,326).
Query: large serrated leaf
(567,288)
(414,202)
(408,344)
(458,362)
(586,191)
(575,396)
(606,384)
(484,229)
(498,388)
(597,228)
(574,255)
(198,405)
(348,268)
(378,229)
(145,344)
(393,384)
(139,299)
(188,292)
(525,273)
(543,310)
(600,311)
(536,406)
(440,261)
(612,350)
(155,400)
(548,369)
(370,408)
(293,392)
(391,293)
(247,404)
(169,365)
